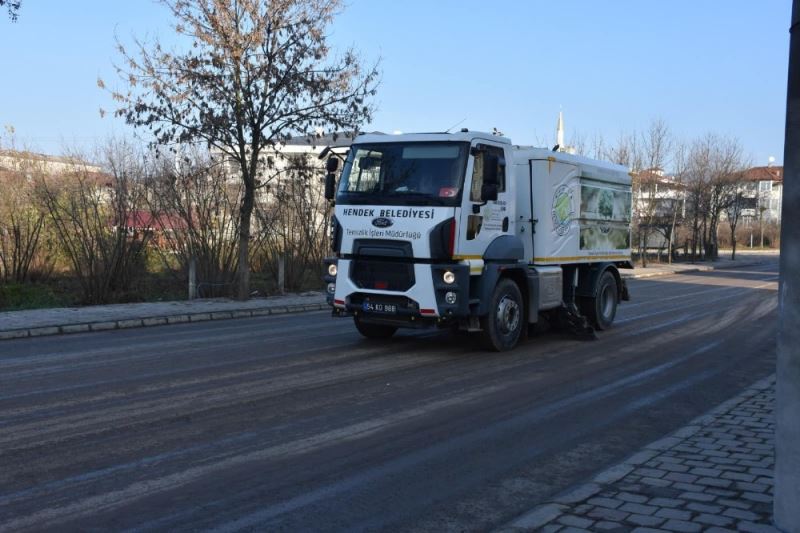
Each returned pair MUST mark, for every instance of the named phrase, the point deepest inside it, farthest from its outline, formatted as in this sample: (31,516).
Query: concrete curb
(161,320)
(632,275)
(697,268)
(545,513)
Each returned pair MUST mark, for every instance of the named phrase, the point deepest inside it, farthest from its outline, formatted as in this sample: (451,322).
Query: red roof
(771,173)
(148,220)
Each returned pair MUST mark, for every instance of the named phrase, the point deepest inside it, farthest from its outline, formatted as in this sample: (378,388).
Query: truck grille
(382,275)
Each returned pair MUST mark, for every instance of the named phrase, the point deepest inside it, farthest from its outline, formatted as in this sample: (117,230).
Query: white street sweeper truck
(468,230)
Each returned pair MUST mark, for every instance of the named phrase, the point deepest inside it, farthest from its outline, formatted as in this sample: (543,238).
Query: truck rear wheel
(373,331)
(502,326)
(602,309)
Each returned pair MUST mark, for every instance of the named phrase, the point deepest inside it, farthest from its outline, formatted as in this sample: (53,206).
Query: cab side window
(477,170)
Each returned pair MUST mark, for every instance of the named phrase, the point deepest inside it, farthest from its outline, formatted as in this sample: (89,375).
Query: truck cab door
(482,219)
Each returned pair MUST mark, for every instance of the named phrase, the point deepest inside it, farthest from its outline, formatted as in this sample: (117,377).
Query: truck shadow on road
(656,304)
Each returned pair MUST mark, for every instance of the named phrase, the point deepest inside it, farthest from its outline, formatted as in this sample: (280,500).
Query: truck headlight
(331,288)
(448,277)
(332,270)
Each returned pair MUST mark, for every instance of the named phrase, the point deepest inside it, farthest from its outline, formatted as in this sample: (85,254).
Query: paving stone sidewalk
(715,475)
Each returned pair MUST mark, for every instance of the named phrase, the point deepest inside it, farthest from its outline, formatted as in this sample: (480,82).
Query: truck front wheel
(602,309)
(374,331)
(502,326)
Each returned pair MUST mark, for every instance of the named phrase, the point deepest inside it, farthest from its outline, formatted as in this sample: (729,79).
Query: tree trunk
(671,236)
(643,247)
(704,239)
(243,268)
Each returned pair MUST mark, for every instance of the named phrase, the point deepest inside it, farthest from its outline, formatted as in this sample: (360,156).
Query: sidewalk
(713,475)
(745,258)
(38,322)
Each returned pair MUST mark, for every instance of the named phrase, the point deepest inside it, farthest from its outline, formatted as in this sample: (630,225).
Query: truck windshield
(415,173)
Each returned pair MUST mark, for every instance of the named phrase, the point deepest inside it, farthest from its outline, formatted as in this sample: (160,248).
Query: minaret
(560,131)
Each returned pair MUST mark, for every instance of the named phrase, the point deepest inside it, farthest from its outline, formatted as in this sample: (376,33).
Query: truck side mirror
(330,186)
(490,163)
(489,192)
(332,165)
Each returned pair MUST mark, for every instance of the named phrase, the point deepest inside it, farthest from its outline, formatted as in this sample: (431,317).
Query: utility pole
(787,413)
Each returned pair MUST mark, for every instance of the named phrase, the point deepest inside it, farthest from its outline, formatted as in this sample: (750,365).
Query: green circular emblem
(562,211)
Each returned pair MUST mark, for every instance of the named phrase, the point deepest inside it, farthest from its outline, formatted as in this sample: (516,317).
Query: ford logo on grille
(381,222)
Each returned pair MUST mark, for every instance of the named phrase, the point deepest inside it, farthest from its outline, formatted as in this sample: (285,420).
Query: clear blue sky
(713,65)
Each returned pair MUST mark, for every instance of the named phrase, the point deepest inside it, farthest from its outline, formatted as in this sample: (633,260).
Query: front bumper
(422,303)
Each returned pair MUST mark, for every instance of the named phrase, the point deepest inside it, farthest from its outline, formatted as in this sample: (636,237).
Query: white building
(285,156)
(764,191)
(25,161)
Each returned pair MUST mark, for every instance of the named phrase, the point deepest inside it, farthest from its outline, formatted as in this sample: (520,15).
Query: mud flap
(624,295)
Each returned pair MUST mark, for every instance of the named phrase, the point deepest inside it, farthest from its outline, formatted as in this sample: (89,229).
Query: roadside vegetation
(129,225)
(692,197)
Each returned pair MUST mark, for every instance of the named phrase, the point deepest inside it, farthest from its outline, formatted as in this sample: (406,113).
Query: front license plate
(375,307)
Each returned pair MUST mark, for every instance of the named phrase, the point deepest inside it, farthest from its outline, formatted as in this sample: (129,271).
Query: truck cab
(439,230)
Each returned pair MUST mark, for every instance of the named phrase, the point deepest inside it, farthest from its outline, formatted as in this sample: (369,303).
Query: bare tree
(677,207)
(13,8)
(655,146)
(577,143)
(597,148)
(21,225)
(256,73)
(297,228)
(23,237)
(733,212)
(727,165)
(698,182)
(627,151)
(713,170)
(95,218)
(193,215)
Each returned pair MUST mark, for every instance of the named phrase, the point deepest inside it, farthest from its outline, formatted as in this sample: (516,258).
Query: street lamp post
(787,396)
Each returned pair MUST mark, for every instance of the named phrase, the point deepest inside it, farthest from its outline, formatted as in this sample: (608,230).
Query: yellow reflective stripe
(462,257)
(578,258)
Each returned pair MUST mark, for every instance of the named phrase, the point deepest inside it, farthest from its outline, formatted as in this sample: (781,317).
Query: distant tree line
(683,191)
(150,213)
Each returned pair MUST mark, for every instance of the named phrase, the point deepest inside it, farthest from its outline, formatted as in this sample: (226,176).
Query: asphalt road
(295,423)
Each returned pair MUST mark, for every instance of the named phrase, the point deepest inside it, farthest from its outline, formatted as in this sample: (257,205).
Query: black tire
(503,324)
(374,331)
(602,309)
